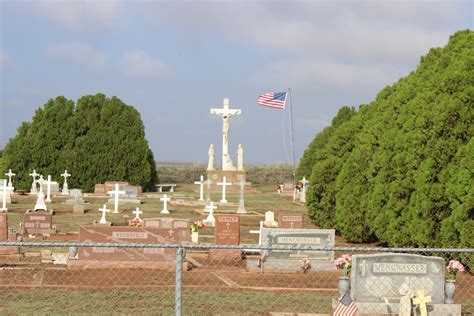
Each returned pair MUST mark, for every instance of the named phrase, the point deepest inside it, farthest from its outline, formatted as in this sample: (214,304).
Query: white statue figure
(211,153)
(225,113)
(240,158)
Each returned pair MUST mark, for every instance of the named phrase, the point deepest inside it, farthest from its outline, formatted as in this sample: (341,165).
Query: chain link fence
(197,279)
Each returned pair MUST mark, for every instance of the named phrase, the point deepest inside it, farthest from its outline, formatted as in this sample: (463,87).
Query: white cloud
(79,53)
(139,64)
(79,15)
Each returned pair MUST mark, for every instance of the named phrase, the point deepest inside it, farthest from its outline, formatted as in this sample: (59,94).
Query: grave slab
(289,260)
(101,257)
(38,222)
(378,279)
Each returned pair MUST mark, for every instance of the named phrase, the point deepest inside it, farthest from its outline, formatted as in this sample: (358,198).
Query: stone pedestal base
(125,201)
(231,176)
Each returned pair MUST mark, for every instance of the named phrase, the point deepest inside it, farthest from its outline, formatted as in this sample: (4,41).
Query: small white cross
(48,189)
(65,175)
(228,225)
(165,200)
(224,183)
(116,192)
(10,174)
(210,218)
(171,232)
(201,188)
(137,213)
(33,185)
(4,196)
(103,210)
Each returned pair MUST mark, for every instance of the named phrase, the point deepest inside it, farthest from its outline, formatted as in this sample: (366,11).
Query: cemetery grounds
(210,286)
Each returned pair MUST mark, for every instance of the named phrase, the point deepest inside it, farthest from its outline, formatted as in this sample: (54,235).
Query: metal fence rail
(204,279)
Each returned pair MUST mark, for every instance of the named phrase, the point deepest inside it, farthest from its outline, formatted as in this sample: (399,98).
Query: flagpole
(292,138)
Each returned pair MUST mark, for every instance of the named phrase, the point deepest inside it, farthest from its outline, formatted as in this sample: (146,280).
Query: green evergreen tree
(102,139)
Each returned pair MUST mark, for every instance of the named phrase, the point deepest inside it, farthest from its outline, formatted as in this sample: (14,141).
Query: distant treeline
(190,172)
(400,169)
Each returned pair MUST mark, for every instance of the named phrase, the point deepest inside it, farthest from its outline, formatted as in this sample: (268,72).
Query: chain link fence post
(179,281)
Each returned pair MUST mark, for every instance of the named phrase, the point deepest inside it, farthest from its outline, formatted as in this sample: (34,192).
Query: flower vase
(343,285)
(195,237)
(449,288)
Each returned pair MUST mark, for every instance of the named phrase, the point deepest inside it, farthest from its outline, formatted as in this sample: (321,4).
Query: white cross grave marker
(103,210)
(210,220)
(241,209)
(116,192)
(224,183)
(137,213)
(34,190)
(48,190)
(4,197)
(303,190)
(165,200)
(10,174)
(201,188)
(65,186)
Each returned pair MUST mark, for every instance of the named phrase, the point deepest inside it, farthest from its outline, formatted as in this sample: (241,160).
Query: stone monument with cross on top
(233,173)
(34,189)
(10,174)
(103,210)
(65,190)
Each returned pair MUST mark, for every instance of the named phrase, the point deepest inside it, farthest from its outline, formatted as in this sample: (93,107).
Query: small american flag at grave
(345,307)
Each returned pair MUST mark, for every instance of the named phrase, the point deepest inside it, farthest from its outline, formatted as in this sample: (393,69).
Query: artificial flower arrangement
(197,226)
(454,267)
(344,264)
(305,264)
(136,222)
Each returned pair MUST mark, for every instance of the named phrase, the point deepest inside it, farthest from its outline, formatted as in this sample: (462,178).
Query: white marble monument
(5,191)
(116,194)
(40,204)
(211,220)
(241,208)
(303,190)
(48,190)
(201,187)
(165,200)
(65,190)
(34,188)
(103,210)
(224,183)
(10,174)
(225,113)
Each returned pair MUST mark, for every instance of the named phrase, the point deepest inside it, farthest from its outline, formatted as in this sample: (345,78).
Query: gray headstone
(76,196)
(290,259)
(378,282)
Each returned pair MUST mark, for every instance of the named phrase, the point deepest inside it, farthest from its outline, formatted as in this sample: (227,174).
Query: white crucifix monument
(137,213)
(41,182)
(165,200)
(48,190)
(224,183)
(225,113)
(241,208)
(103,210)
(116,192)
(10,174)
(4,196)
(201,188)
(211,220)
(34,189)
(65,186)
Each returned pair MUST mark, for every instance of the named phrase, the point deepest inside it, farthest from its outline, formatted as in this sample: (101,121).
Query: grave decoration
(385,283)
(289,260)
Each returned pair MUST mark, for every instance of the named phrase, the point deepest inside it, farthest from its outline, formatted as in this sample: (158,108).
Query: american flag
(345,307)
(273,99)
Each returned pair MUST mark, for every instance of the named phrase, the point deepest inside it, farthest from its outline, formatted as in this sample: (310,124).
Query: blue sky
(174,60)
